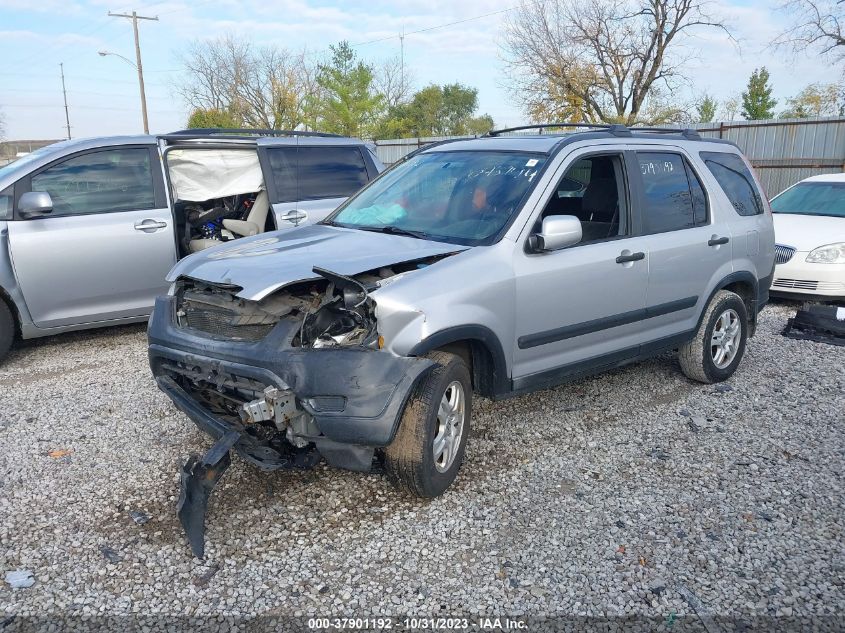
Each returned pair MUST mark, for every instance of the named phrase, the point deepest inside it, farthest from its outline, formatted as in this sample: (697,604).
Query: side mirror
(559,231)
(34,204)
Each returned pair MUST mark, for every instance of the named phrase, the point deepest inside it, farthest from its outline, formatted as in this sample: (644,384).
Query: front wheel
(426,454)
(719,343)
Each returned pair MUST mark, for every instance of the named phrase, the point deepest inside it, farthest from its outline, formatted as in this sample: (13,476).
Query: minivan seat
(255,220)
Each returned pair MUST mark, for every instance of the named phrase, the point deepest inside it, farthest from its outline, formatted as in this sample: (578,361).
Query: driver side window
(593,190)
(99,182)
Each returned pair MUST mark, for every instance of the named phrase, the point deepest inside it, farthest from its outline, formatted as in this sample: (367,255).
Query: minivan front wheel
(719,344)
(426,454)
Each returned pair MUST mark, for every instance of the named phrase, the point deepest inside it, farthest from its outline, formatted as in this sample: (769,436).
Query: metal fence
(783,151)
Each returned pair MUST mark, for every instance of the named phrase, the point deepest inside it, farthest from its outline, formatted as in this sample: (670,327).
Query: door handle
(717,241)
(150,225)
(629,257)
(295,216)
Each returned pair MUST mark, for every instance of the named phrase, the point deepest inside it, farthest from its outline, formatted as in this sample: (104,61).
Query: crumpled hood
(806,232)
(264,263)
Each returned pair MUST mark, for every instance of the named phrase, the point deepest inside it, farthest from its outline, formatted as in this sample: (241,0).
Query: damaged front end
(285,381)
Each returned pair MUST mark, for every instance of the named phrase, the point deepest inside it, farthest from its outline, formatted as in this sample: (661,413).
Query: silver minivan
(89,228)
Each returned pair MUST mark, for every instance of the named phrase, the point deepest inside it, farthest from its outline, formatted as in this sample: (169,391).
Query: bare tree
(269,87)
(601,60)
(816,24)
(394,81)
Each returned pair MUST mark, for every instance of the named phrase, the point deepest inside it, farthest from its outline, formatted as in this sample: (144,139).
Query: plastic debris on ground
(819,323)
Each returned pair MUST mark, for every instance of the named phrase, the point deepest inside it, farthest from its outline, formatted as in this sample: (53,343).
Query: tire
(7,329)
(410,460)
(701,359)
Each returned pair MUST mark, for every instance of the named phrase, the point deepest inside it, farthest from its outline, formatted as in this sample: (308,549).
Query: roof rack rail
(208,131)
(617,129)
(688,133)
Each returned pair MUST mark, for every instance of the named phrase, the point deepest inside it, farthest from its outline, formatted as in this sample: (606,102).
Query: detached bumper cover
(355,395)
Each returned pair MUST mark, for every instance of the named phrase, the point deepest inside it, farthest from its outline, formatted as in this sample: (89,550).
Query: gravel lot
(635,492)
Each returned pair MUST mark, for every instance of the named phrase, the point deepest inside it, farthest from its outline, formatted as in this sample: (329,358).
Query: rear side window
(312,173)
(666,189)
(99,182)
(330,172)
(736,181)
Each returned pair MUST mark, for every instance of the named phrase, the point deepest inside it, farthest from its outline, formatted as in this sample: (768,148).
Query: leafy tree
(757,101)
(438,111)
(480,124)
(211,117)
(706,109)
(816,100)
(349,104)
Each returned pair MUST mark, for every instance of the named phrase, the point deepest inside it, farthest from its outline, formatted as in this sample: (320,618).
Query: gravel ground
(633,493)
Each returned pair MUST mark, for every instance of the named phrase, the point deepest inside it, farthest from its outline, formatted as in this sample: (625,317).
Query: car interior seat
(255,220)
(600,203)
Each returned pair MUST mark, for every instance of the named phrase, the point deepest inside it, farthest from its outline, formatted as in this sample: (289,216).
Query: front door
(105,249)
(582,306)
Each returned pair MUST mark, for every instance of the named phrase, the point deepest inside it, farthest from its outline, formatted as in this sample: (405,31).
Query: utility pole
(64,92)
(402,60)
(135,17)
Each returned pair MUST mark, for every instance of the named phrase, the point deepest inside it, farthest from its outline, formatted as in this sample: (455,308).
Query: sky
(102,92)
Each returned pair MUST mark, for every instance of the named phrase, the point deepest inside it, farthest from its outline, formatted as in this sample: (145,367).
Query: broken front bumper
(355,395)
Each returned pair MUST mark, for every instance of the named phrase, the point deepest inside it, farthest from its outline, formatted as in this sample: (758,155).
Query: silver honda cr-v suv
(492,266)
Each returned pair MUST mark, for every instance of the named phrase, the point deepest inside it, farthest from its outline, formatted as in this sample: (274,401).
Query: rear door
(307,181)
(104,251)
(689,248)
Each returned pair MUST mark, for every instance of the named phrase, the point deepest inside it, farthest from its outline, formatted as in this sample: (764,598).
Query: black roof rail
(687,133)
(617,129)
(223,131)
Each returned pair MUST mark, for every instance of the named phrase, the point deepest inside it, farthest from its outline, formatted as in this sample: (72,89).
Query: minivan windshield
(812,198)
(462,197)
(24,160)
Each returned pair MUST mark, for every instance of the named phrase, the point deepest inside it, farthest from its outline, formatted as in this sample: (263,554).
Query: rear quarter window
(736,181)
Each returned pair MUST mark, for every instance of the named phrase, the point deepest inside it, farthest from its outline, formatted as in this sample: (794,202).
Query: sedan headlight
(828,254)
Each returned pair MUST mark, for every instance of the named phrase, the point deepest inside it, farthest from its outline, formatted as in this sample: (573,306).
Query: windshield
(462,197)
(812,198)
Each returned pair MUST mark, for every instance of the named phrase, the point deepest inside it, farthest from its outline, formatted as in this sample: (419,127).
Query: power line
(135,17)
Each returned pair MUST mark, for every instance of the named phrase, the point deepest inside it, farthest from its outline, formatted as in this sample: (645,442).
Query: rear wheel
(7,329)
(426,454)
(719,344)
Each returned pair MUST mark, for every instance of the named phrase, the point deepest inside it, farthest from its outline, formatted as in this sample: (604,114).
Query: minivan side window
(330,172)
(99,182)
(736,181)
(666,191)
(312,173)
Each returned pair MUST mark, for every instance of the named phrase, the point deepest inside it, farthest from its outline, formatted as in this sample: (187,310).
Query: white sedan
(809,222)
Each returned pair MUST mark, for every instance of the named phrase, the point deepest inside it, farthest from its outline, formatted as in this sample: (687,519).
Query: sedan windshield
(459,197)
(812,198)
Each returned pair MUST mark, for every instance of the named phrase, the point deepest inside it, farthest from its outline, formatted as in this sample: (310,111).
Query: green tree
(348,104)
(757,101)
(438,111)
(706,109)
(210,117)
(480,124)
